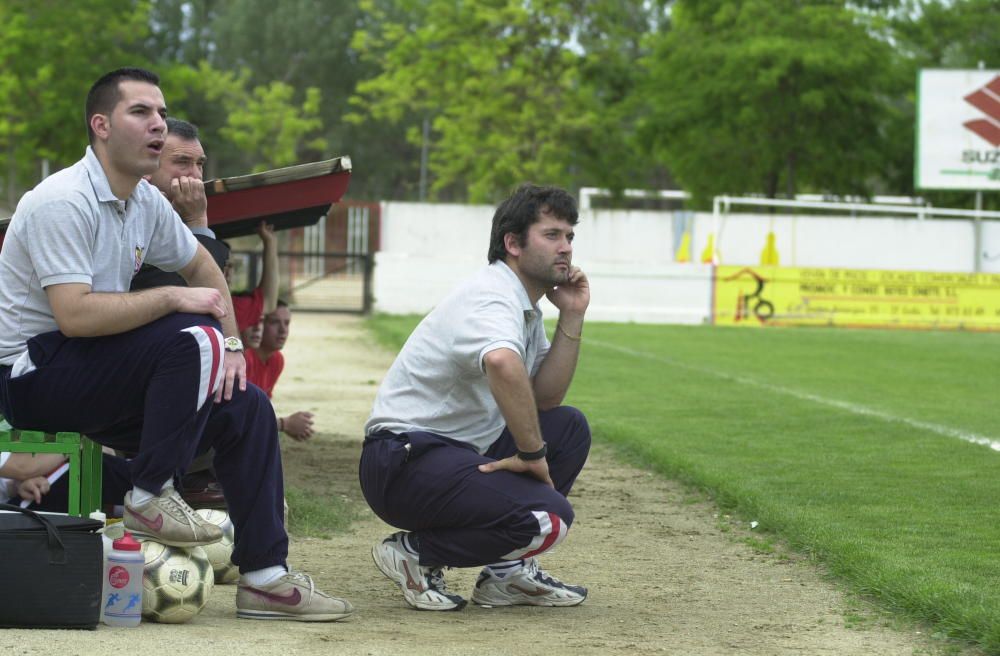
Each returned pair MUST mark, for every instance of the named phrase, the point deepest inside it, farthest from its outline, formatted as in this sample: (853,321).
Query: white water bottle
(122,600)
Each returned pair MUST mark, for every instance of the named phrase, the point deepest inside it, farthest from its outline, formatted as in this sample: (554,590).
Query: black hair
(105,93)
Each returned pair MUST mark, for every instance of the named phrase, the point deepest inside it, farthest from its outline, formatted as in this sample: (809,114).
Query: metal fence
(312,281)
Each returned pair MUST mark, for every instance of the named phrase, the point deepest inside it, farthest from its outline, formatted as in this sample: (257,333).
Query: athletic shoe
(168,519)
(292,596)
(423,587)
(527,586)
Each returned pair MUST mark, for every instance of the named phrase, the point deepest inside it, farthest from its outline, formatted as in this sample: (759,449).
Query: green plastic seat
(83,455)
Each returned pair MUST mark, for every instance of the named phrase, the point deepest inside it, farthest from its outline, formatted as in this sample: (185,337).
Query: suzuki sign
(958,130)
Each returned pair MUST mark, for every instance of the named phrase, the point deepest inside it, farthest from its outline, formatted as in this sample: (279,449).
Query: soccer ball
(176,582)
(219,553)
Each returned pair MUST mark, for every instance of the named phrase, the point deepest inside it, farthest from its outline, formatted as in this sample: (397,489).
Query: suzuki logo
(986,100)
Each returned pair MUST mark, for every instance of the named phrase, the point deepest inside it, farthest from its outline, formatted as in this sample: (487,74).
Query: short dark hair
(183,129)
(523,208)
(105,94)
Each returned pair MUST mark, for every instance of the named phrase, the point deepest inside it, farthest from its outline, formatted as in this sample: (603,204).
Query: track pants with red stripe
(150,391)
(431,485)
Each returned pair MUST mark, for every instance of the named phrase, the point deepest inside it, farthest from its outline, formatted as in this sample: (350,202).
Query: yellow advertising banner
(784,296)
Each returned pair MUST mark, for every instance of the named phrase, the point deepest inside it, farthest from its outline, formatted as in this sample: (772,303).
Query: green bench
(83,455)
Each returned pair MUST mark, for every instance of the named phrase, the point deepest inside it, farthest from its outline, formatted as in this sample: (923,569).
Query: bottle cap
(127,543)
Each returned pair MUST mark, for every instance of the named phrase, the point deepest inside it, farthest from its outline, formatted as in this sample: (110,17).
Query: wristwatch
(233,344)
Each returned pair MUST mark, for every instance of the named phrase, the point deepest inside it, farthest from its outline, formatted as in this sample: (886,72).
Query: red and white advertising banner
(958,130)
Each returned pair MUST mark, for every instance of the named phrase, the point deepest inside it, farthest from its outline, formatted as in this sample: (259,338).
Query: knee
(573,423)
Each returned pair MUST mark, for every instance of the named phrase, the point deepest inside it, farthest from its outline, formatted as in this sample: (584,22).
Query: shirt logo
(138,259)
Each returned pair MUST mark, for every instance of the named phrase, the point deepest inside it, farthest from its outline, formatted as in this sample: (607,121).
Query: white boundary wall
(629,255)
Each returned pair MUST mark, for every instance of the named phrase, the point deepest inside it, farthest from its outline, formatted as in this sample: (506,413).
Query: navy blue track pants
(149,391)
(431,485)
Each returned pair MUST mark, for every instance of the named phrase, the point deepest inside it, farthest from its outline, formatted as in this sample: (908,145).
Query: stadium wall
(630,255)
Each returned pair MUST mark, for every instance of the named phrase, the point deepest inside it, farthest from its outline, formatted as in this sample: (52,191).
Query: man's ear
(512,244)
(101,125)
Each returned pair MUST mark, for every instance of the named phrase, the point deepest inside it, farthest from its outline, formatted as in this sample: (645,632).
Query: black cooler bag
(50,570)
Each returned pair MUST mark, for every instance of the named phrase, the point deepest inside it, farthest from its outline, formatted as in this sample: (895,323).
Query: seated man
(179,178)
(265,364)
(143,371)
(467,447)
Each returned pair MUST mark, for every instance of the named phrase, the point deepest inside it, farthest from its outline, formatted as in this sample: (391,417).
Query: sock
(502,569)
(263,576)
(141,496)
(411,544)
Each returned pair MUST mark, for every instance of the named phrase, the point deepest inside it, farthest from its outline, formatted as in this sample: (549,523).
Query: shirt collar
(531,310)
(98,178)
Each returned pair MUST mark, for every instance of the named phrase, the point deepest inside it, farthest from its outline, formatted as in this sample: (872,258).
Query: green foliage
(503,83)
(50,54)
(272,128)
(767,96)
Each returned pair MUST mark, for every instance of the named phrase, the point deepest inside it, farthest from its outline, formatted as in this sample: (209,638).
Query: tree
(768,96)
(502,84)
(50,54)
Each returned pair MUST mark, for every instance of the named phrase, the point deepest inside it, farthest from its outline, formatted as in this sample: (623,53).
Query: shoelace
(176,502)
(435,579)
(303,578)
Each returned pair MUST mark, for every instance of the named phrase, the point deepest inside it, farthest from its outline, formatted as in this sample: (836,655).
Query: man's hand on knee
(235,366)
(537,468)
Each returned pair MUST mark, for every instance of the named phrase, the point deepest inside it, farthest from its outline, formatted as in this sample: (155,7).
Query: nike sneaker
(168,519)
(292,596)
(423,588)
(527,586)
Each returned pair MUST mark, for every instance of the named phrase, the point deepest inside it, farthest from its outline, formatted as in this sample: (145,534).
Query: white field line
(854,408)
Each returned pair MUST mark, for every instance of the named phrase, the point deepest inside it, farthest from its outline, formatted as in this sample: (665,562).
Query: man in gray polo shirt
(468,448)
(139,371)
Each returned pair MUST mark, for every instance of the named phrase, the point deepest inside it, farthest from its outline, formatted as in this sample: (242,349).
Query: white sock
(263,576)
(141,496)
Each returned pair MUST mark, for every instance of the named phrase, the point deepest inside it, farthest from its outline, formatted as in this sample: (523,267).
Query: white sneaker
(528,586)
(423,587)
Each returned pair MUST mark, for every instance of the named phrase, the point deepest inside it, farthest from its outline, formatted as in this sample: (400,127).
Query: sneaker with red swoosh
(423,587)
(168,519)
(527,586)
(292,596)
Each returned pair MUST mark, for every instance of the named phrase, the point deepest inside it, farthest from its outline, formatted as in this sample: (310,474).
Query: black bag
(50,570)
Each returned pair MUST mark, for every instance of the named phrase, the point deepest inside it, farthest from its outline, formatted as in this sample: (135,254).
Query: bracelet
(568,336)
(533,455)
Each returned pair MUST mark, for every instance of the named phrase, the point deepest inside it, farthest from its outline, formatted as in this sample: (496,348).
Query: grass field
(872,451)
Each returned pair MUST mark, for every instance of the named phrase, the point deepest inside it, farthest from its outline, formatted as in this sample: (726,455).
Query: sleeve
(171,246)
(493,323)
(59,238)
(215,247)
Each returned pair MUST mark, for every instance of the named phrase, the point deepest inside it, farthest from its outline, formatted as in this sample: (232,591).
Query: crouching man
(468,448)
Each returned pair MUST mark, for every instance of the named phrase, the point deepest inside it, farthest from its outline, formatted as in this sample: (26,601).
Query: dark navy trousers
(431,485)
(149,391)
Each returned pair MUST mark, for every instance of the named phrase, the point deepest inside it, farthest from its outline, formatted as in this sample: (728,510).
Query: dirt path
(666,576)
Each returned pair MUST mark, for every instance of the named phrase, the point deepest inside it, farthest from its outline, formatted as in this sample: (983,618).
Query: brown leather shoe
(202,490)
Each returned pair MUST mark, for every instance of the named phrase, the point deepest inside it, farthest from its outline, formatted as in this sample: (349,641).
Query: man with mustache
(468,448)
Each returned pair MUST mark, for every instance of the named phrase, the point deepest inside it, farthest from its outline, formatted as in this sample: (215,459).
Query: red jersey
(264,374)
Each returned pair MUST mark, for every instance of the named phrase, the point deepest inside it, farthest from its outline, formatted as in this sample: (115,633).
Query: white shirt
(438,382)
(72,229)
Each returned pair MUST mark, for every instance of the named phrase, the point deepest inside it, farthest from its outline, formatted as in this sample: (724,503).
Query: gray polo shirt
(72,229)
(438,382)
